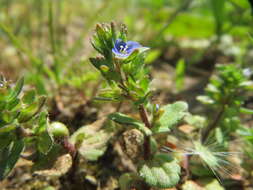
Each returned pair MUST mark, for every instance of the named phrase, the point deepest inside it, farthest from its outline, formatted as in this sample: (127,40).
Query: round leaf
(161,172)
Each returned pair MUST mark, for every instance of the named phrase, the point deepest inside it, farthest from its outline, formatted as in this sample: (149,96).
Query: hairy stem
(69,147)
(144,118)
(212,125)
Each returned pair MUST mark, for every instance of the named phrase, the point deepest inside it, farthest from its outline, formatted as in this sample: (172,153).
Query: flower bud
(104,68)
(58,129)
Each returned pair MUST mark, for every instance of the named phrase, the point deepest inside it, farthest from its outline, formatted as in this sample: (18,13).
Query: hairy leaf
(162,171)
(173,113)
(95,138)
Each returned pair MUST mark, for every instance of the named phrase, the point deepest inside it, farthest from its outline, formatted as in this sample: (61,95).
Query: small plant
(21,118)
(226,94)
(24,123)
(122,64)
(142,131)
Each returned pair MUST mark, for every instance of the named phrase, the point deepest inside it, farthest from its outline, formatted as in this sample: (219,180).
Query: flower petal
(133,45)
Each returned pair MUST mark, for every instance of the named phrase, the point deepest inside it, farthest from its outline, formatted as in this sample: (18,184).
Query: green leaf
(47,160)
(180,73)
(205,100)
(173,113)
(8,128)
(153,145)
(13,105)
(9,157)
(195,120)
(111,74)
(29,97)
(191,185)
(95,138)
(44,139)
(126,180)
(7,117)
(5,139)
(210,184)
(31,110)
(218,8)
(126,120)
(57,167)
(161,172)
(152,56)
(246,110)
(16,91)
(56,163)
(48,188)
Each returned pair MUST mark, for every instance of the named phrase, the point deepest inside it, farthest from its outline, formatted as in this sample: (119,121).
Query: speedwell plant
(142,132)
(122,64)
(24,124)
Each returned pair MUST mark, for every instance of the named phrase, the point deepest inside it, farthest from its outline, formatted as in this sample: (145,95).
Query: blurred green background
(48,40)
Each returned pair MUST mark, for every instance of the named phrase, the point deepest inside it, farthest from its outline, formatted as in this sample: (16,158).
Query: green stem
(53,41)
(212,125)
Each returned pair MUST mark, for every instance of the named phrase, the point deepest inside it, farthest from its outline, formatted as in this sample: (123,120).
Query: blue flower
(123,49)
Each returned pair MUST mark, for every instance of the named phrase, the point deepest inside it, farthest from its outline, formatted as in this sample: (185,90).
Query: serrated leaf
(173,113)
(9,157)
(195,120)
(95,139)
(16,91)
(161,172)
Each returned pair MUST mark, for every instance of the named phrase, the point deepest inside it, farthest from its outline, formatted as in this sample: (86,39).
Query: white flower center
(123,48)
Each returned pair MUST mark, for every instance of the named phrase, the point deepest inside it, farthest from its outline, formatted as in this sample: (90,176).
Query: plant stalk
(144,118)
(212,125)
